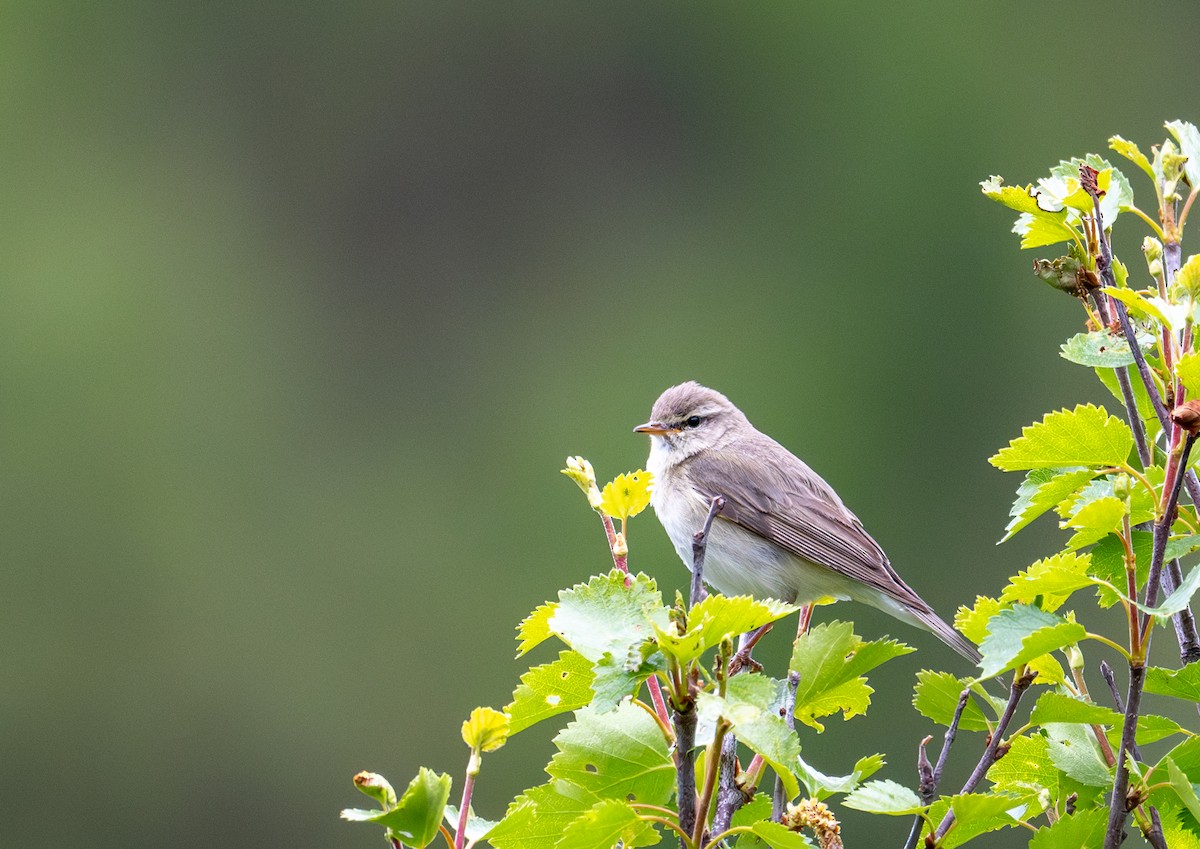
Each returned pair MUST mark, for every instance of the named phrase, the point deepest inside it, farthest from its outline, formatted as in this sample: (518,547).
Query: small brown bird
(783,532)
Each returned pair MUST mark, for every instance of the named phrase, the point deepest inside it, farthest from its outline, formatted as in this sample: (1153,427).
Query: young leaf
(550,689)
(973,621)
(1133,153)
(1150,729)
(535,628)
(830,660)
(1042,490)
(1183,788)
(1189,145)
(627,495)
(1026,768)
(1108,564)
(936,697)
(608,823)
(720,616)
(485,730)
(820,786)
(1188,370)
(1021,634)
(1094,521)
(751,705)
(1181,683)
(1084,828)
(1085,436)
(884,797)
(417,815)
(616,755)
(1052,578)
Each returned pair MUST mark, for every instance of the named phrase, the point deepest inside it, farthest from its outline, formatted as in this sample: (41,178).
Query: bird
(783,532)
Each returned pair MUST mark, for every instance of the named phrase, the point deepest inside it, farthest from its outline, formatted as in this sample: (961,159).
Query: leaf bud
(1122,486)
(377,787)
(1187,416)
(1075,656)
(1152,248)
(581,471)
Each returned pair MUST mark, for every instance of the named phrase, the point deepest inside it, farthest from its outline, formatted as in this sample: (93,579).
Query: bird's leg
(742,659)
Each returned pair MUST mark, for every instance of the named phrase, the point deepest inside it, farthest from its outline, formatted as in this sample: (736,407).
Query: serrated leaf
(1058,707)
(604,617)
(884,797)
(969,826)
(1133,153)
(1094,521)
(1098,349)
(616,678)
(1188,371)
(1043,228)
(973,807)
(1189,145)
(1145,407)
(1179,598)
(627,495)
(751,705)
(1053,579)
(1108,564)
(1064,184)
(719,617)
(477,827)
(936,697)
(418,813)
(1022,633)
(1042,490)
(1026,767)
(830,660)
(608,823)
(486,729)
(1085,436)
(1141,306)
(1150,729)
(1017,198)
(620,754)
(535,628)
(1073,750)
(550,689)
(1083,829)
(1181,683)
(1188,277)
(973,621)
(537,818)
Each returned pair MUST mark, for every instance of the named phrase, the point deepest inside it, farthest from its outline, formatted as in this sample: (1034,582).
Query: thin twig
(992,753)
(778,799)
(730,795)
(932,777)
(699,547)
(1184,621)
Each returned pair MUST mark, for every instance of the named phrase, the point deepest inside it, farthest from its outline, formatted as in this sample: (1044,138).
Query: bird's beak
(655,429)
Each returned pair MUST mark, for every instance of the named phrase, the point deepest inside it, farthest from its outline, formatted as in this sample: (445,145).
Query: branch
(730,796)
(699,547)
(931,777)
(1021,682)
(684,721)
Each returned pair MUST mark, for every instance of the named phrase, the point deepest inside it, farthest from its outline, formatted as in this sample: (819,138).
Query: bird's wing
(776,495)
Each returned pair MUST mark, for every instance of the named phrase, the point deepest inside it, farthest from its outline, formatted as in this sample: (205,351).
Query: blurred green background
(305,303)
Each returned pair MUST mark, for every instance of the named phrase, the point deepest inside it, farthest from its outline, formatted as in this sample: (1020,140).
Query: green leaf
(979,813)
(620,754)
(477,827)
(1142,307)
(1058,707)
(820,786)
(1043,228)
(1186,756)
(535,628)
(973,621)
(1018,198)
(719,617)
(1085,436)
(548,690)
(751,706)
(604,617)
(1083,829)
(537,818)
(1064,177)
(1073,749)
(1095,520)
(1188,370)
(1188,278)
(1021,634)
(1189,145)
(617,678)
(830,660)
(1183,788)
(1150,729)
(1042,490)
(1145,406)
(1026,768)
(936,697)
(884,797)
(1098,349)
(417,815)
(607,823)
(1181,683)
(1133,153)
(1178,599)
(774,835)
(1108,564)
(1053,579)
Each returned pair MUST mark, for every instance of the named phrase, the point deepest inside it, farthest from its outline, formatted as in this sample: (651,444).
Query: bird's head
(689,418)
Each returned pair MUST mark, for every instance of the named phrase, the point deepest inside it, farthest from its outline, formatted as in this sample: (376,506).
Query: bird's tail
(930,621)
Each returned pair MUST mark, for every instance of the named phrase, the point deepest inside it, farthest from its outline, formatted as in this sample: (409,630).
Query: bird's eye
(693,421)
